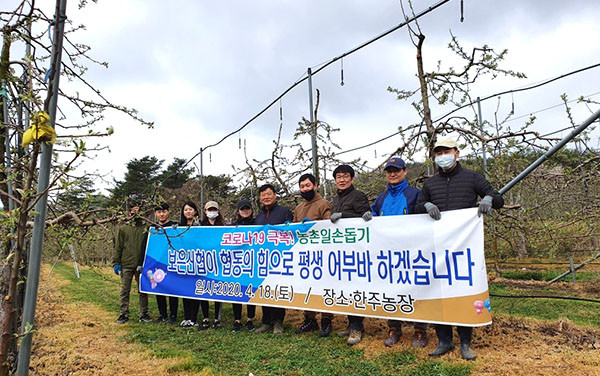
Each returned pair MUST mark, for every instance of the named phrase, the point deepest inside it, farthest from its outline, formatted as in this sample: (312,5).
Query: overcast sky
(201,69)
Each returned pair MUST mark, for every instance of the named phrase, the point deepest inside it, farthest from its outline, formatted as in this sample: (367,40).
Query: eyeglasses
(343,177)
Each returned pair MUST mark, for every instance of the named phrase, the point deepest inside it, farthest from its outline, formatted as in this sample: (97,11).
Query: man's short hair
(264,187)
(163,206)
(343,169)
(310,177)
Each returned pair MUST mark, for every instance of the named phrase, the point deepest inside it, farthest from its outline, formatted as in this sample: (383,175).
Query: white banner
(402,267)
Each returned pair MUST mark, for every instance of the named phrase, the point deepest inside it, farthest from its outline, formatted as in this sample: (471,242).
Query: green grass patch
(580,312)
(548,275)
(221,352)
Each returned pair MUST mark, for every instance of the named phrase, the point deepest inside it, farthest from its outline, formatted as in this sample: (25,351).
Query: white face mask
(212,214)
(445,161)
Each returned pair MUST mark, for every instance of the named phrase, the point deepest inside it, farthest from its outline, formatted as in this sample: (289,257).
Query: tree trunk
(4,73)
(425,100)
(521,243)
(7,339)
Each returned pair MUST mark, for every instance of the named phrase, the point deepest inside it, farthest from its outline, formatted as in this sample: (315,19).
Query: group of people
(453,187)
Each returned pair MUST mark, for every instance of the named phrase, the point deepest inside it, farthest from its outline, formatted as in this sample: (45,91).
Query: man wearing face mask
(453,188)
(314,208)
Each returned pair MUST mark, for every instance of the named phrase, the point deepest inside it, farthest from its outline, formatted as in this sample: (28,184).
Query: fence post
(572,268)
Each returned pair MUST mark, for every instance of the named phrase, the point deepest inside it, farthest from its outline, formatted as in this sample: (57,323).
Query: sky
(200,69)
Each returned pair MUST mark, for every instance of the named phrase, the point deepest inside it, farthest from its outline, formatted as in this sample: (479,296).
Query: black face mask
(308,195)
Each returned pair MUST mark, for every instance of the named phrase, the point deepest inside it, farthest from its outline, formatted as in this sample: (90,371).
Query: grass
(580,312)
(220,352)
(547,275)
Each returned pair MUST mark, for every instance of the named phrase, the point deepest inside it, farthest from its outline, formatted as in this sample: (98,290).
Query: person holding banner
(314,208)
(189,217)
(245,217)
(212,217)
(126,261)
(161,212)
(349,203)
(455,187)
(271,214)
(399,199)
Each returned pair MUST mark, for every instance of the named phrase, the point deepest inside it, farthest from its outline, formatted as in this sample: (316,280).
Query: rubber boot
(465,333)
(445,345)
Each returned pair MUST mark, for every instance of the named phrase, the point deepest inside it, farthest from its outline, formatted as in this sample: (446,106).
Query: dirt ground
(73,341)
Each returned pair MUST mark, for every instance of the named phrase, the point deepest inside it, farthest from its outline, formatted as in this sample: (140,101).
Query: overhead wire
(524,88)
(304,77)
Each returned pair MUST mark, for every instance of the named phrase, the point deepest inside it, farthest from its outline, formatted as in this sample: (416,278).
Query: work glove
(174,226)
(367,216)
(139,269)
(433,211)
(306,219)
(334,217)
(485,206)
(117,269)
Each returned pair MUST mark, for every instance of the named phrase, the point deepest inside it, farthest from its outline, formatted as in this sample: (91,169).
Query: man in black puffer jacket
(349,203)
(455,188)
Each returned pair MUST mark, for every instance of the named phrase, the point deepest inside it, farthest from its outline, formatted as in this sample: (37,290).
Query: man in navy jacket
(271,214)
(399,199)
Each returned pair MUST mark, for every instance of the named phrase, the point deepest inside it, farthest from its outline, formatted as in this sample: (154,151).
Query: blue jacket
(398,200)
(276,215)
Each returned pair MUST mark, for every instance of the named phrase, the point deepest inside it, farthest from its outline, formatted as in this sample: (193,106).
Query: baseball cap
(445,142)
(395,161)
(244,204)
(211,204)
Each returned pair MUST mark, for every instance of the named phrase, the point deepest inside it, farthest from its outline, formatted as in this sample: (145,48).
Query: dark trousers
(237,311)
(272,314)
(356,322)
(312,315)
(444,333)
(161,301)
(190,309)
(127,275)
(397,324)
(205,310)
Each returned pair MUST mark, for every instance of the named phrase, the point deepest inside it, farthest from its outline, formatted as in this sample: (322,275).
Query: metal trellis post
(551,152)
(314,127)
(35,257)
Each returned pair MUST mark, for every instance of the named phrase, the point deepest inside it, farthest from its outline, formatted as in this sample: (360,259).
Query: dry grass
(83,340)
